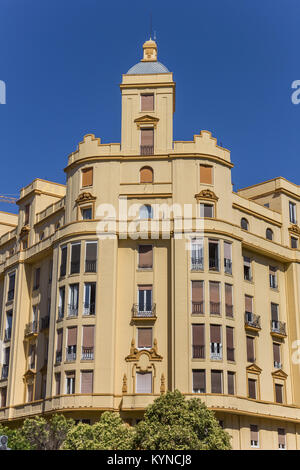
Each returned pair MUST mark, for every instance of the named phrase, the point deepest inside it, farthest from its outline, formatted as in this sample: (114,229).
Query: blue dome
(147,67)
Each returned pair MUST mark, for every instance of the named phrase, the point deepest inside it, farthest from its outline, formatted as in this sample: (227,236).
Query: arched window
(146,174)
(269,234)
(146,212)
(244,224)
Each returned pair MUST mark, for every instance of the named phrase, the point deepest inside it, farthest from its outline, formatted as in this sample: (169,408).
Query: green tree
(46,435)
(16,440)
(174,423)
(109,433)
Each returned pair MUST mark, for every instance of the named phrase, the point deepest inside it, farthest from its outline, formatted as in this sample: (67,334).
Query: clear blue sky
(233,63)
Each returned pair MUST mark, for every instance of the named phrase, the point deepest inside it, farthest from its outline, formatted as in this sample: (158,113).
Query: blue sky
(233,62)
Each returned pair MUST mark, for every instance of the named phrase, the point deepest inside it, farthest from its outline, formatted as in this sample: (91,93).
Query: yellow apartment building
(147,273)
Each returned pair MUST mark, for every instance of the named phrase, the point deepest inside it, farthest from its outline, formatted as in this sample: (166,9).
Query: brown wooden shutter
(199,380)
(144,382)
(228,294)
(145,256)
(87,381)
(276,352)
(72,336)
(198,335)
(147,137)
(144,337)
(229,336)
(230,378)
(57,384)
(216,381)
(252,388)
(88,336)
(147,102)
(281,436)
(214,291)
(227,250)
(253,432)
(250,349)
(146,175)
(248,303)
(59,340)
(274,312)
(87,177)
(278,393)
(215,333)
(205,174)
(197,291)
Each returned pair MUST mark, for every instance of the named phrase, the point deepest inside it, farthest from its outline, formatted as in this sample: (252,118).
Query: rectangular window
(229,343)
(281,438)
(59,344)
(145,256)
(143,382)
(228,301)
(87,177)
(70,383)
(252,388)
(3,394)
(275,317)
(230,382)
(144,338)
(11,286)
(292,209)
(294,242)
(145,299)
(90,257)
(61,304)
(36,283)
(75,258)
(247,269)
(207,210)
(147,102)
(249,317)
(213,253)
(8,328)
(227,258)
(276,355)
(198,341)
(254,435)
(199,381)
(73,300)
(89,307)
(72,344)
(214,298)
(198,297)
(197,254)
(273,277)
(86,213)
(216,381)
(147,141)
(250,349)
(57,383)
(278,393)
(88,339)
(63,261)
(87,378)
(206,174)
(29,393)
(26,213)
(215,342)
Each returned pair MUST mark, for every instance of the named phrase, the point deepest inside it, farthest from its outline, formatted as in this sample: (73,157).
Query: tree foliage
(174,423)
(46,435)
(16,440)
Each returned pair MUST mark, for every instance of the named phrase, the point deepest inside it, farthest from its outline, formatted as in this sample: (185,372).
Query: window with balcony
(197,249)
(61,302)
(88,340)
(145,257)
(144,338)
(269,234)
(250,349)
(63,261)
(279,393)
(281,438)
(91,257)
(292,211)
(254,439)
(87,379)
(228,300)
(247,269)
(89,307)
(277,356)
(32,356)
(147,141)
(87,177)
(11,286)
(199,381)
(228,258)
(71,344)
(231,383)
(87,213)
(197,297)
(244,224)
(229,343)
(198,341)
(273,277)
(70,383)
(5,366)
(252,388)
(75,258)
(29,393)
(216,381)
(147,102)
(275,323)
(145,300)
(206,210)
(146,212)
(214,298)
(58,354)
(206,174)
(143,382)
(73,300)
(215,342)
(146,175)
(213,253)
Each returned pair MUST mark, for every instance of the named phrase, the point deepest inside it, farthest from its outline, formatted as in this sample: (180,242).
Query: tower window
(147,141)
(147,102)
(146,175)
(205,174)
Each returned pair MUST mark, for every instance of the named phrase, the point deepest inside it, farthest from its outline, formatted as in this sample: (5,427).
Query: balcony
(72,310)
(87,353)
(89,309)
(215,308)
(7,334)
(58,357)
(147,149)
(277,365)
(71,354)
(146,312)
(44,323)
(227,266)
(10,294)
(90,266)
(252,321)
(216,351)
(31,329)
(4,372)
(278,328)
(197,264)
(198,352)
(198,307)
(61,313)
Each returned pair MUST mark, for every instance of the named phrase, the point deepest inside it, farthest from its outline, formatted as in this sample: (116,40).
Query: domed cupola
(149,63)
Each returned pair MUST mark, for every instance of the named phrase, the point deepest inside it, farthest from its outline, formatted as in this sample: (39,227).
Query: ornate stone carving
(146,120)
(294,229)
(124,388)
(279,374)
(162,383)
(135,353)
(85,197)
(206,194)
(24,231)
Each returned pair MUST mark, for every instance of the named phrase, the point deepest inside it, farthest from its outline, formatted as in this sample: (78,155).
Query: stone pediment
(254,369)
(135,353)
(146,119)
(84,198)
(279,374)
(294,229)
(24,231)
(206,194)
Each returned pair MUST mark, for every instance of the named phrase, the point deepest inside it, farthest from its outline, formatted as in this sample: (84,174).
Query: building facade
(147,273)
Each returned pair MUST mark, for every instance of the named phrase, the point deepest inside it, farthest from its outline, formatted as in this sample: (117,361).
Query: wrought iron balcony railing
(90,266)
(87,353)
(72,310)
(70,354)
(215,308)
(7,334)
(227,266)
(31,328)
(143,311)
(197,264)
(147,149)
(89,309)
(197,307)
(216,351)
(252,320)
(75,267)
(278,327)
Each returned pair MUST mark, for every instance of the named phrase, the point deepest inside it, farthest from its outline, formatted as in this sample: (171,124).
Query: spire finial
(150,51)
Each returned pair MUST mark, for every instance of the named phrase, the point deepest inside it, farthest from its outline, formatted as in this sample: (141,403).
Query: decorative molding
(84,198)
(24,231)
(206,194)
(279,374)
(135,353)
(29,376)
(162,383)
(294,229)
(147,119)
(253,368)
(124,387)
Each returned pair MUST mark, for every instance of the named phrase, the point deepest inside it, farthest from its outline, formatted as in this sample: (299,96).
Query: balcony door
(145,298)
